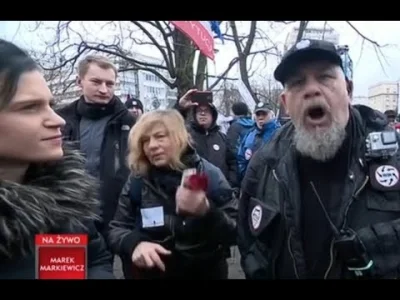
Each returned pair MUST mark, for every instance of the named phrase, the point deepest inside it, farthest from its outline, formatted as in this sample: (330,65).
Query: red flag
(200,33)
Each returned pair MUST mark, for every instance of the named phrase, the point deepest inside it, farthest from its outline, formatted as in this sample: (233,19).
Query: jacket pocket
(380,233)
(384,202)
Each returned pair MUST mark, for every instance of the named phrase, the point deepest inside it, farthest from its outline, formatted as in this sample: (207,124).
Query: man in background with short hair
(99,123)
(240,125)
(264,129)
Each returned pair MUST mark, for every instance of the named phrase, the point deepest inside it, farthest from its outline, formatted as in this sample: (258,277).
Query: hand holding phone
(185,101)
(191,195)
(202,97)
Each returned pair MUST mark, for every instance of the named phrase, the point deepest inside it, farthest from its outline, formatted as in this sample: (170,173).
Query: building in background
(384,96)
(326,33)
(141,84)
(360,100)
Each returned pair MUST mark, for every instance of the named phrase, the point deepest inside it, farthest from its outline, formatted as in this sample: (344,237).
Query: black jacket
(113,168)
(55,199)
(236,132)
(198,239)
(271,185)
(212,144)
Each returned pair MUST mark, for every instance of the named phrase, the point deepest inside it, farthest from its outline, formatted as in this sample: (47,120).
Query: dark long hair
(13,63)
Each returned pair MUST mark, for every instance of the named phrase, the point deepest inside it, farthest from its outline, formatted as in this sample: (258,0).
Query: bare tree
(230,95)
(67,41)
(71,40)
(58,79)
(268,91)
(302,28)
(244,49)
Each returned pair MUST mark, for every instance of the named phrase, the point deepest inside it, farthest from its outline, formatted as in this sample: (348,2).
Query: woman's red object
(197,182)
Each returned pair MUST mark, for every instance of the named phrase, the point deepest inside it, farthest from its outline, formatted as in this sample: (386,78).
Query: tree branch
(222,76)
(155,43)
(363,36)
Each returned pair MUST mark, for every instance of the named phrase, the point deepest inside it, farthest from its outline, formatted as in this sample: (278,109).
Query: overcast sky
(367,67)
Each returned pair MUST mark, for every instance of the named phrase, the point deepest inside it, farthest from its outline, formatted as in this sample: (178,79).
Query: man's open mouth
(316,112)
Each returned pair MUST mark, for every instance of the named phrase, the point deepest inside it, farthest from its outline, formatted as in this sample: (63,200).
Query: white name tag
(152,217)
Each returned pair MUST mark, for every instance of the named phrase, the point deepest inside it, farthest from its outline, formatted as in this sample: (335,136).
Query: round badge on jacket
(216,147)
(248,154)
(387,175)
(303,44)
(256,215)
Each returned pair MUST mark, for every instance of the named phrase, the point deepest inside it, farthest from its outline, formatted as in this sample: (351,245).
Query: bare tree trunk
(201,72)
(184,58)
(302,28)
(243,53)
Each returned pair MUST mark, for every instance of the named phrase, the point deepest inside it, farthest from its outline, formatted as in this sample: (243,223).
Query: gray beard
(320,145)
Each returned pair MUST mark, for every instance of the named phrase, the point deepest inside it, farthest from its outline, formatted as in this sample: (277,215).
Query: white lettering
(200,33)
(62,260)
(47,240)
(62,240)
(62,268)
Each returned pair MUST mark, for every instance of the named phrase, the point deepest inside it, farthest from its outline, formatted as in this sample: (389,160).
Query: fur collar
(55,197)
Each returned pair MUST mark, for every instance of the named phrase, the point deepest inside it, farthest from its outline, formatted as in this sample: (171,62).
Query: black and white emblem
(387,175)
(256,215)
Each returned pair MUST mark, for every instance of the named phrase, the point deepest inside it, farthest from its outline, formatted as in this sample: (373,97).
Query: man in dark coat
(321,199)
(99,123)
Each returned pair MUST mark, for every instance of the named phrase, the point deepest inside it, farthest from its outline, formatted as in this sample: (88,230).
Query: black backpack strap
(135,191)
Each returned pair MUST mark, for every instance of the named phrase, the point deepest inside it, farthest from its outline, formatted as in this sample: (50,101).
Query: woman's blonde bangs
(174,123)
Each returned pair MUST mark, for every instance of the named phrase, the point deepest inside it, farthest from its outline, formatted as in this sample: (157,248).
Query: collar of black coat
(55,196)
(189,158)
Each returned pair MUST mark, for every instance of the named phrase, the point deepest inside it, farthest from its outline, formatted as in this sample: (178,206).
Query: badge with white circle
(260,104)
(256,215)
(248,154)
(303,44)
(216,147)
(134,103)
(387,176)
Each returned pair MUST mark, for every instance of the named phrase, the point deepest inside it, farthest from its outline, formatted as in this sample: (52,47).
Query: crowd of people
(170,194)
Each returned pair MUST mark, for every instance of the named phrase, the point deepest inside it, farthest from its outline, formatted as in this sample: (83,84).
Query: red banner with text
(61,256)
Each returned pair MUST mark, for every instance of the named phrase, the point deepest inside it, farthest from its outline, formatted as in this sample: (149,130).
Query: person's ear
(282,100)
(350,88)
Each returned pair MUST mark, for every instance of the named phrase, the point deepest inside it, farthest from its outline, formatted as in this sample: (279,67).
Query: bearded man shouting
(321,200)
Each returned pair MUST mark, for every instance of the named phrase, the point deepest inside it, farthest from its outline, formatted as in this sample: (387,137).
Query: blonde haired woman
(163,229)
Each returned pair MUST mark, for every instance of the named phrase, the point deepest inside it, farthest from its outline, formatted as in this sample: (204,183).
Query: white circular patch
(303,44)
(134,103)
(256,215)
(248,154)
(387,175)
(260,104)
(216,147)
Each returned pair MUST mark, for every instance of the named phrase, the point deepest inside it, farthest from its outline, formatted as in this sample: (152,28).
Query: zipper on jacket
(289,245)
(331,253)
(280,239)
(355,195)
(292,255)
(357,192)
